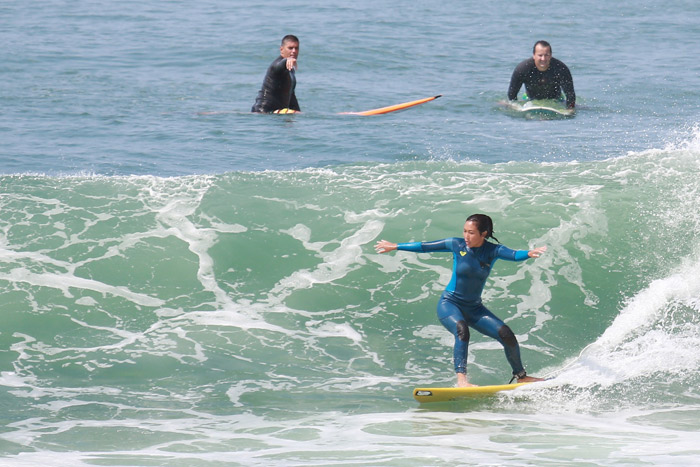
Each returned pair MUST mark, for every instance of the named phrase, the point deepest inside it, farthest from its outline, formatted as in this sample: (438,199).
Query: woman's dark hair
(483,224)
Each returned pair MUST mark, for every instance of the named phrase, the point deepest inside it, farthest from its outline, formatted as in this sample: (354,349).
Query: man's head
(289,46)
(542,54)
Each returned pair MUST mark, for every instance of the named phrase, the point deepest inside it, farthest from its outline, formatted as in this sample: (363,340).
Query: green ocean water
(182,319)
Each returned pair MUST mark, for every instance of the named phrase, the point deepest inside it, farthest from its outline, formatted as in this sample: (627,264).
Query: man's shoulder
(555,62)
(527,63)
(277,63)
(525,66)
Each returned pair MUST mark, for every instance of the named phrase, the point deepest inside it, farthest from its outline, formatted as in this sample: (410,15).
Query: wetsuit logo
(463,253)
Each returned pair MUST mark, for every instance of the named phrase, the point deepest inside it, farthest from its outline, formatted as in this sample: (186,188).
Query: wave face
(185,318)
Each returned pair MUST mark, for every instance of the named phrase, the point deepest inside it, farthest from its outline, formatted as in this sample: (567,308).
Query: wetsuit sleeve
(410,246)
(507,254)
(294,104)
(426,247)
(521,255)
(279,65)
(567,85)
(516,81)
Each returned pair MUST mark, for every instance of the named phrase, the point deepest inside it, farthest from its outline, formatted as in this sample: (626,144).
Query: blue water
(185,283)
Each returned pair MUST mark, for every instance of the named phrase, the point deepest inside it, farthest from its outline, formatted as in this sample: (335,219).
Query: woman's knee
(507,336)
(463,331)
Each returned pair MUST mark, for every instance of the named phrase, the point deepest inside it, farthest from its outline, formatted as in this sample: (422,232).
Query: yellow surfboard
(424,395)
(286,111)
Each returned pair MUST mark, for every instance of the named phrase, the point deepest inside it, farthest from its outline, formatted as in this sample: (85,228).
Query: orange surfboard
(393,108)
(379,111)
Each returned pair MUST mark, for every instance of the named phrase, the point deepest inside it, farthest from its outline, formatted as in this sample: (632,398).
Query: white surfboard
(542,109)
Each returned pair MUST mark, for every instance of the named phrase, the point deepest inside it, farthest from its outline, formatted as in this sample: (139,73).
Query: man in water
(544,77)
(277,90)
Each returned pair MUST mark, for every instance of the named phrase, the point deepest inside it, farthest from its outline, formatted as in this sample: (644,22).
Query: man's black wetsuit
(543,84)
(277,89)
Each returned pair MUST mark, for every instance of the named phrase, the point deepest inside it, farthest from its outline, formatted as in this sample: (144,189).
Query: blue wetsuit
(460,305)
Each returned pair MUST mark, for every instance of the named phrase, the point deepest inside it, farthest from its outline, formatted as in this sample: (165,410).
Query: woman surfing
(460,306)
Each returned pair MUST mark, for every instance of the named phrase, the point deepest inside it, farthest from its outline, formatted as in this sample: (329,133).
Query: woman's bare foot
(462,381)
(529,379)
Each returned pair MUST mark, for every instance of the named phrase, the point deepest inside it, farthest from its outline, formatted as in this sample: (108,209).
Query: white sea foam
(336,264)
(656,332)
